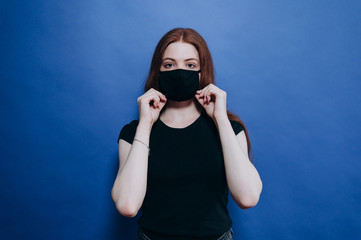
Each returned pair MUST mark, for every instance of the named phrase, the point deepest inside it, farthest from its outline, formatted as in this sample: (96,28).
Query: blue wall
(71,72)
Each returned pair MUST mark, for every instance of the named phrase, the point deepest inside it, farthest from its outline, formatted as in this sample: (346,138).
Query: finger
(155,99)
(201,91)
(198,95)
(156,105)
(212,94)
(152,103)
(163,98)
(160,95)
(149,93)
(158,101)
(206,96)
(161,105)
(200,100)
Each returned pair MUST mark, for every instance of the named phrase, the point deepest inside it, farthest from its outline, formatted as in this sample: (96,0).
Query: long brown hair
(189,35)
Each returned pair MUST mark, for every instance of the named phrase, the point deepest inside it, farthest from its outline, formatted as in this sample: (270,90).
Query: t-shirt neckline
(186,127)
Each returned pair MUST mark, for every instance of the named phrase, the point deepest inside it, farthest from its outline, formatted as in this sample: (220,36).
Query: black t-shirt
(187,191)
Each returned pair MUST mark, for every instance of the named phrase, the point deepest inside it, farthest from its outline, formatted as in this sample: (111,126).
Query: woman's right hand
(150,104)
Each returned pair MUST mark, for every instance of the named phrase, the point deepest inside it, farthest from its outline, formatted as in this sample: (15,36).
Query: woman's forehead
(181,50)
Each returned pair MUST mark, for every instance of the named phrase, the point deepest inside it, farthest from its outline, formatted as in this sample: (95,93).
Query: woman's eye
(168,65)
(191,65)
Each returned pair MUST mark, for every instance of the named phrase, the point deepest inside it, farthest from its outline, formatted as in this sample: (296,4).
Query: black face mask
(179,85)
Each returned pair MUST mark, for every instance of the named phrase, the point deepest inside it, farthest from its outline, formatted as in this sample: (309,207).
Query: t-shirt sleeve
(127,133)
(237,126)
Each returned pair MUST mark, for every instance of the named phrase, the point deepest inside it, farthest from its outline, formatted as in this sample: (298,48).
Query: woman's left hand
(213,100)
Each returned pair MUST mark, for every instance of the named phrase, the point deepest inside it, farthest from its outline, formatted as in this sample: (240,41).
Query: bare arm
(243,179)
(130,185)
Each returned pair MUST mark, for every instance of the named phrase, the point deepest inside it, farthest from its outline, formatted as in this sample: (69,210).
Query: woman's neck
(179,112)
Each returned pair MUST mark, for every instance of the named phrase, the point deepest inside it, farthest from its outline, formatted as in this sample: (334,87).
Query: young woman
(177,162)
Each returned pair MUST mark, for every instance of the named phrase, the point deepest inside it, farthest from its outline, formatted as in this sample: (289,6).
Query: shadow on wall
(123,228)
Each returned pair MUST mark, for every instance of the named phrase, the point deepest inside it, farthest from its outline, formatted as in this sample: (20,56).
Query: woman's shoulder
(127,132)
(236,125)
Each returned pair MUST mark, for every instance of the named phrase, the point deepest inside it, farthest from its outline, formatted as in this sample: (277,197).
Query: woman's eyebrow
(191,59)
(172,59)
(168,59)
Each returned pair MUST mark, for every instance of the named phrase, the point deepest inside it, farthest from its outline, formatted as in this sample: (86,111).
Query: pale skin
(130,184)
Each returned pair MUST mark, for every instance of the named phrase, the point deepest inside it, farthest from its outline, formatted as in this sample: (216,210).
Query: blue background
(71,72)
